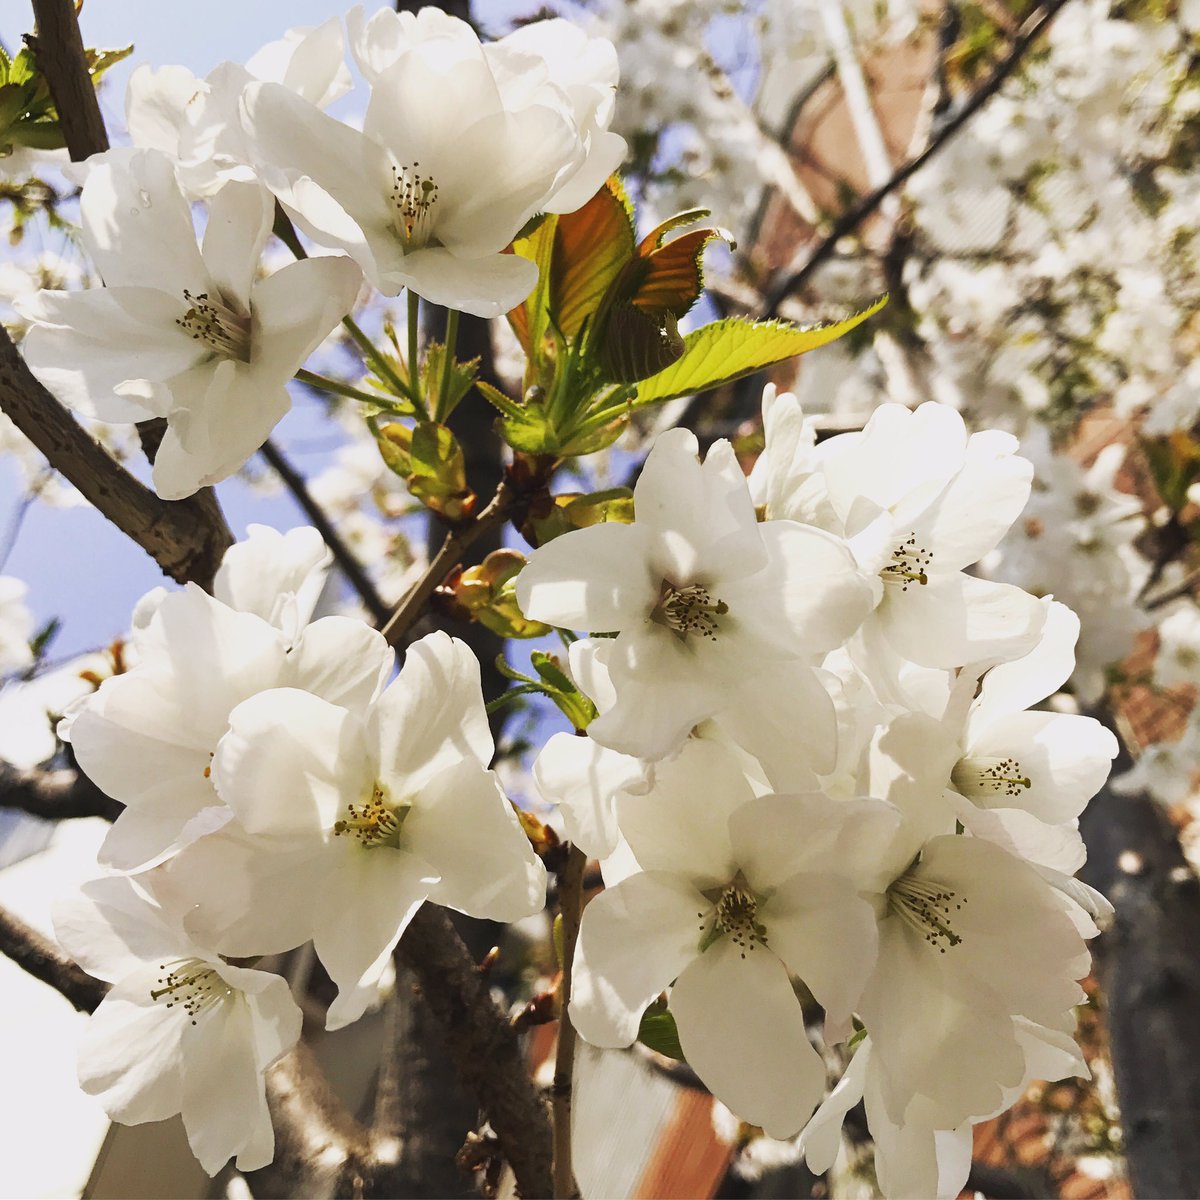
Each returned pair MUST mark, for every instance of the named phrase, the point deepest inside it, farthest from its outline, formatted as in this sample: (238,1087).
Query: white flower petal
(464,827)
(372,897)
(432,715)
(598,579)
(634,939)
(342,660)
(290,763)
(583,778)
(129,1058)
(742,1031)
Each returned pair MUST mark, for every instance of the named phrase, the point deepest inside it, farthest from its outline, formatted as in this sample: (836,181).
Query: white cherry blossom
(348,821)
(442,177)
(735,894)
(550,62)
(180,1030)
(919,501)
(705,602)
(180,331)
(16,625)
(147,737)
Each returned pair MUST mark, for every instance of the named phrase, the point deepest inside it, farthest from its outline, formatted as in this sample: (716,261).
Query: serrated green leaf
(462,375)
(499,401)
(726,350)
(659,1031)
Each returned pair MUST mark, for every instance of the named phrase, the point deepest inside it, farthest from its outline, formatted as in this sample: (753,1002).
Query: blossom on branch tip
(179,331)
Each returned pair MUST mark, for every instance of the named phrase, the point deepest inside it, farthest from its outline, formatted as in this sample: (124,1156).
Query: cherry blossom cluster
(816,759)
(1051,267)
(277,790)
(191,334)
(828,808)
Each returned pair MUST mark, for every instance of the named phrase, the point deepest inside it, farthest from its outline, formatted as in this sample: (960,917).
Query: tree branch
(349,565)
(43,960)
(788,281)
(54,794)
(484,1046)
(58,45)
(455,545)
(1148,965)
(570,904)
(185,537)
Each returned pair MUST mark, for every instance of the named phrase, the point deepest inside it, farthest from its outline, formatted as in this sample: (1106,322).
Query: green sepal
(659,1032)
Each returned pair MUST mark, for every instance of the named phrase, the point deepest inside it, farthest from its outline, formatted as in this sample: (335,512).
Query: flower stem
(570,906)
(379,361)
(447,362)
(325,384)
(414,328)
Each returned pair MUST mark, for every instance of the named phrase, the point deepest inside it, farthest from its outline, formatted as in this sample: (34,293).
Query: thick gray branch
(483,1044)
(185,537)
(59,48)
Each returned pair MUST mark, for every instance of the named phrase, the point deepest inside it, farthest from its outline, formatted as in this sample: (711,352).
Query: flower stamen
(193,985)
(213,322)
(688,610)
(374,823)
(413,196)
(735,914)
(988,777)
(910,564)
(927,908)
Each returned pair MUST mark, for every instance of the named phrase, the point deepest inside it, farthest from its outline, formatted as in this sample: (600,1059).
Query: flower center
(413,197)
(211,321)
(909,564)
(928,908)
(689,609)
(984,778)
(375,823)
(193,985)
(735,913)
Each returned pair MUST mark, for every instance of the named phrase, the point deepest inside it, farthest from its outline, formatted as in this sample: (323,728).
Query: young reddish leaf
(591,246)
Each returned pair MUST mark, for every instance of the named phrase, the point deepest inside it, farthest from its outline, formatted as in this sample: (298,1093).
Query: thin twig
(457,543)
(1182,588)
(788,281)
(570,906)
(43,960)
(353,570)
(58,45)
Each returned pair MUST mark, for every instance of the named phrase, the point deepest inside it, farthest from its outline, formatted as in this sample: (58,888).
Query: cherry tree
(826,676)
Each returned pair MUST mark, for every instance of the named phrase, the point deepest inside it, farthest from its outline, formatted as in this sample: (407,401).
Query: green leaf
(529,320)
(499,401)
(659,1031)
(462,375)
(726,350)
(100,61)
